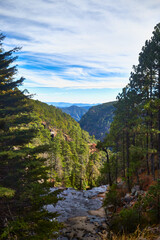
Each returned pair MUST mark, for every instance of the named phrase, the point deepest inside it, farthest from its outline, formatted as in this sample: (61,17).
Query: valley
(98,119)
(74,160)
(75,111)
(86,171)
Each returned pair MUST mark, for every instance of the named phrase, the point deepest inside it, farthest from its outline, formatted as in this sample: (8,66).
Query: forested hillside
(72,158)
(135,142)
(75,112)
(98,119)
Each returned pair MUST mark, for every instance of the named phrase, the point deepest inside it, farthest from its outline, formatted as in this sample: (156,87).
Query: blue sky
(77,50)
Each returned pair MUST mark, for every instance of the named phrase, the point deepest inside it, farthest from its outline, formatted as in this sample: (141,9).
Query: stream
(81,212)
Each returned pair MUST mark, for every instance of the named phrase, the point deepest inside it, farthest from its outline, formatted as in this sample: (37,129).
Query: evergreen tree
(23,172)
(135,132)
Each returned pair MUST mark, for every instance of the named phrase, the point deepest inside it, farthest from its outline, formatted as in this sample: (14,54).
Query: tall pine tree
(24,188)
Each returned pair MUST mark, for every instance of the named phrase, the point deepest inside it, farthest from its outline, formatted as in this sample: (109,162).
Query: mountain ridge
(75,112)
(67,104)
(98,119)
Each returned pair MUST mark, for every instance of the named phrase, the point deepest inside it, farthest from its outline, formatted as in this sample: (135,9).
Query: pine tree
(135,131)
(22,173)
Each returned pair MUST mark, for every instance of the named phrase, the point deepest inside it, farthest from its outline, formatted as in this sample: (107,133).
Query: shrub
(112,198)
(152,202)
(126,221)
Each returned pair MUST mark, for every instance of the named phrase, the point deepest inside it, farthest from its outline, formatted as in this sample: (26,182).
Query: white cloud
(37,79)
(102,35)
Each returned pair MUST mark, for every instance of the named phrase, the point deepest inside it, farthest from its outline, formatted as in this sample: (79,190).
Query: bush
(152,202)
(126,221)
(112,198)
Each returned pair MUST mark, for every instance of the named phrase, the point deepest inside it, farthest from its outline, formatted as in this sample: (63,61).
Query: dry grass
(147,234)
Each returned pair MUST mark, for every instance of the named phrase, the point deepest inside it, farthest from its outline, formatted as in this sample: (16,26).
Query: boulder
(128,198)
(135,189)
(140,192)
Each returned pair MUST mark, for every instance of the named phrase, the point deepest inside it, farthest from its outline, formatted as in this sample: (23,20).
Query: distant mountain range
(66,104)
(98,119)
(93,118)
(76,110)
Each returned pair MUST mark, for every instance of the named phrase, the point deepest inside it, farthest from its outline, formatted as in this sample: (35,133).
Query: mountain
(98,119)
(75,112)
(55,119)
(72,150)
(66,104)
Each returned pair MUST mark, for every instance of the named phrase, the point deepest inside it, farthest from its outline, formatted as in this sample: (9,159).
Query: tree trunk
(127,158)
(151,134)
(116,168)
(159,124)
(152,156)
(123,156)
(147,143)
(109,171)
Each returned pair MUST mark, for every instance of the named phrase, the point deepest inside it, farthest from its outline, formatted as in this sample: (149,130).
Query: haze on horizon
(77,51)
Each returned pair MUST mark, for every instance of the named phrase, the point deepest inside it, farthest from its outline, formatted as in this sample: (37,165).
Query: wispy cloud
(80,43)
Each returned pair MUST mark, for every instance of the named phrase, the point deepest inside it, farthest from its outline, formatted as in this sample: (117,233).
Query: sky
(78,51)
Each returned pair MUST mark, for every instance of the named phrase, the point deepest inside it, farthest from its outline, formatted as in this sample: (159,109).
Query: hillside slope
(98,119)
(55,120)
(75,112)
(71,154)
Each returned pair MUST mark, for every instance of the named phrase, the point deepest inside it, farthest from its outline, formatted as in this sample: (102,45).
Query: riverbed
(81,212)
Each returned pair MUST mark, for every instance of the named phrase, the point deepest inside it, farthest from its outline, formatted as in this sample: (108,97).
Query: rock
(95,191)
(135,189)
(83,216)
(127,199)
(76,203)
(80,228)
(120,184)
(77,219)
(101,195)
(141,192)
(99,212)
(62,238)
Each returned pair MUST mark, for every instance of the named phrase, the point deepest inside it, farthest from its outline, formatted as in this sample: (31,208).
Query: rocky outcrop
(82,228)
(54,131)
(81,212)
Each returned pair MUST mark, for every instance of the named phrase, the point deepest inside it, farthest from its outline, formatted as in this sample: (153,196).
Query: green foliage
(145,211)
(18,225)
(24,179)
(92,168)
(75,112)
(135,131)
(137,154)
(6,192)
(134,139)
(70,162)
(152,203)
(112,198)
(126,221)
(108,167)
(98,119)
